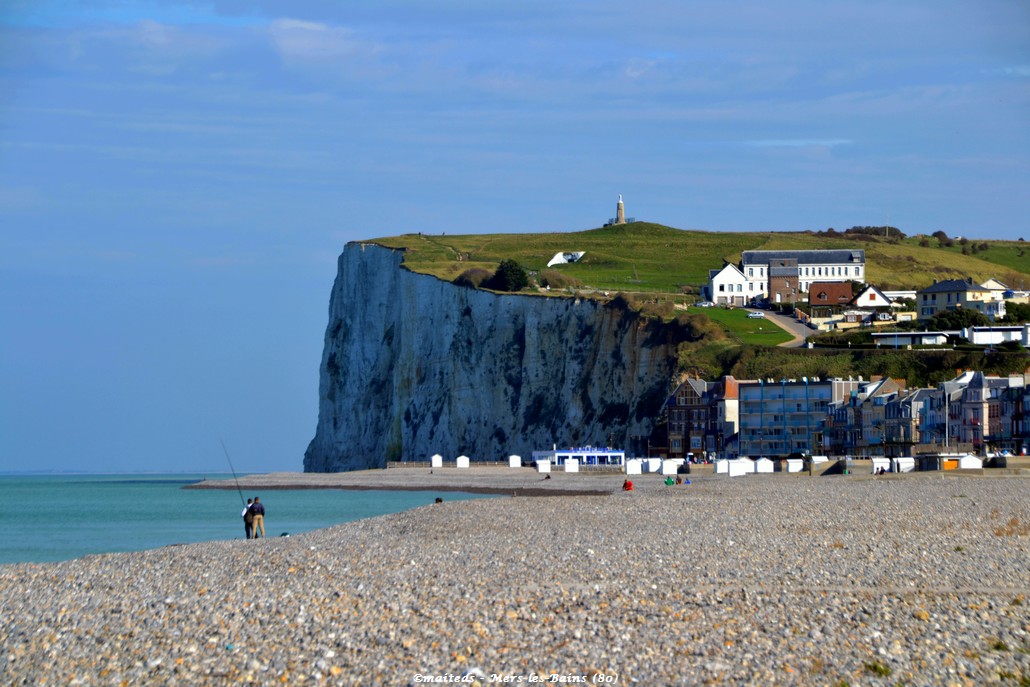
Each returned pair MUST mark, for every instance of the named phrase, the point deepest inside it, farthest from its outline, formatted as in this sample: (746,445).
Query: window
(750,272)
(722,288)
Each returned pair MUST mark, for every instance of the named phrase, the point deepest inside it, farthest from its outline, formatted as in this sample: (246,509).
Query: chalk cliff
(414,365)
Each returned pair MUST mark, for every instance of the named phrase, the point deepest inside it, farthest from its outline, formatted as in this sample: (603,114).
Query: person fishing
(258,510)
(248,519)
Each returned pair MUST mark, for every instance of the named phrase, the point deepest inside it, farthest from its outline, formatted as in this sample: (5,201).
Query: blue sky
(176,179)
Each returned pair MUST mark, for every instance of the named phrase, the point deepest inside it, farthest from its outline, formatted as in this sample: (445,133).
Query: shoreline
(474,480)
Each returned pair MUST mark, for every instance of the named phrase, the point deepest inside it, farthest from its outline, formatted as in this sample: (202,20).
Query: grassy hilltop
(642,258)
(651,257)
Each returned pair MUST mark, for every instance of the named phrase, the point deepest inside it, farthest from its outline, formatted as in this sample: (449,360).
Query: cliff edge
(414,365)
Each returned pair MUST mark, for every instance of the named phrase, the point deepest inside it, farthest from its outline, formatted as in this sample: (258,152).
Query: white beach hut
(722,467)
(633,466)
(740,466)
(572,465)
(543,465)
(969,462)
(669,467)
(904,464)
(436,461)
(514,461)
(654,464)
(878,463)
(795,465)
(764,466)
(461,462)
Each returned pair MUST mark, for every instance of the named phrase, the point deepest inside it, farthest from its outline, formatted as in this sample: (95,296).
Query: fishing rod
(233,473)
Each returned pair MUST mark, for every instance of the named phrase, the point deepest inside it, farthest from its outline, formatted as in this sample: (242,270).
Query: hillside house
(952,294)
(871,297)
(729,286)
(827,297)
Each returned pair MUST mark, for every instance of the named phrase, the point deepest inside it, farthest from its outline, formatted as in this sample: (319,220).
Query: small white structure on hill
(461,462)
(565,258)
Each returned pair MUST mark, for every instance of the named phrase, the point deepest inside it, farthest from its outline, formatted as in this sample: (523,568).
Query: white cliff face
(414,366)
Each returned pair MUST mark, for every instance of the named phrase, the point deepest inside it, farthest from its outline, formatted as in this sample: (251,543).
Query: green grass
(736,323)
(644,257)
(632,257)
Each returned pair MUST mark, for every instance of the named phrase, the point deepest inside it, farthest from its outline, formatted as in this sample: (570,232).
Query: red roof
(829,292)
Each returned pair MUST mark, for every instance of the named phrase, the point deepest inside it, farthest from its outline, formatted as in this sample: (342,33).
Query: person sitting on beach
(258,509)
(627,486)
(669,481)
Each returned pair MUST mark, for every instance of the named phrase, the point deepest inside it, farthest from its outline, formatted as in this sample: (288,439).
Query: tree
(959,318)
(510,276)
(1016,313)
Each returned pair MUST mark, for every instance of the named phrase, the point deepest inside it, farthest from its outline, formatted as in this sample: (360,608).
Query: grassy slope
(753,331)
(652,257)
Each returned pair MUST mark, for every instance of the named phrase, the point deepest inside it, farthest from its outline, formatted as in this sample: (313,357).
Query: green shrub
(510,276)
(556,280)
(472,278)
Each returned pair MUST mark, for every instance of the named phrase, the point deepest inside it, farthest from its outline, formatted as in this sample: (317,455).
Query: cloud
(295,39)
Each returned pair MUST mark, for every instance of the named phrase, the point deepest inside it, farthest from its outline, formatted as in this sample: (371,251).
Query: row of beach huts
(577,459)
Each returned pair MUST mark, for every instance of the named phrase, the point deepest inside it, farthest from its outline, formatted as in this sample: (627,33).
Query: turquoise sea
(58,517)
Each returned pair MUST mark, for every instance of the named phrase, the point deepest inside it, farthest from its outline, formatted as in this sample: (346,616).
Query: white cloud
(295,39)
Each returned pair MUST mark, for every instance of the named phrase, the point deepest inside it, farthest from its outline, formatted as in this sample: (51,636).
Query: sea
(59,517)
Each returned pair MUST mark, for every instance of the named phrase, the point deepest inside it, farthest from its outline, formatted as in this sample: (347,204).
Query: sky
(177,178)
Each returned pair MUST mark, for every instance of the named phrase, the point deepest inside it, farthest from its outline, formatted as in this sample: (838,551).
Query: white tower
(620,212)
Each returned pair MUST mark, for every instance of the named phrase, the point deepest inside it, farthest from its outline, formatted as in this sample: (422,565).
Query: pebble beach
(792,580)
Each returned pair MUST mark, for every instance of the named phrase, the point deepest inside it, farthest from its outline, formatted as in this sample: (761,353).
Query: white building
(729,286)
(750,281)
(586,455)
(871,297)
(992,336)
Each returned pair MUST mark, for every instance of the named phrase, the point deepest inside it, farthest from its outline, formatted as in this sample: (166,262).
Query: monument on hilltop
(620,214)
